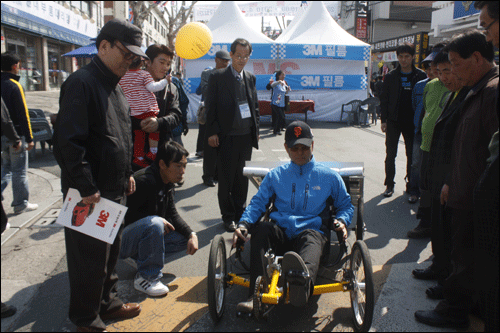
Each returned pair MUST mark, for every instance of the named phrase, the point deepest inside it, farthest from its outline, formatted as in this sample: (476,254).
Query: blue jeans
(413,188)
(15,168)
(146,242)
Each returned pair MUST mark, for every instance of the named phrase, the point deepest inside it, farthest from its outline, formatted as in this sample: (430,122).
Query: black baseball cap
(298,132)
(127,33)
(221,54)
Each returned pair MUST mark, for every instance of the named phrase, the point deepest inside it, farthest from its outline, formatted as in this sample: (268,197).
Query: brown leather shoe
(129,310)
(89,329)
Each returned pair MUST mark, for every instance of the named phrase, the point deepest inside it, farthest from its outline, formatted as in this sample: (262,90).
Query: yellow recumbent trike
(347,273)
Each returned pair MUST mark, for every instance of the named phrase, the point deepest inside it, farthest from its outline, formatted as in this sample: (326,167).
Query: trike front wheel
(216,279)
(362,293)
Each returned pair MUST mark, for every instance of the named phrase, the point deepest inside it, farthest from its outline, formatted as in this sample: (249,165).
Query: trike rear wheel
(216,279)
(362,294)
(360,224)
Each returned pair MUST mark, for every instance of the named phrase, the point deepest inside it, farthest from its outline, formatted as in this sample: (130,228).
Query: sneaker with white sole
(152,288)
(29,207)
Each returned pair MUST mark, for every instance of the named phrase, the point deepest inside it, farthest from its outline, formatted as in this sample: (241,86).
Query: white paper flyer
(101,220)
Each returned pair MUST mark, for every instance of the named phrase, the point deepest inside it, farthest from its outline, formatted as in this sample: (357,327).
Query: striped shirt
(140,99)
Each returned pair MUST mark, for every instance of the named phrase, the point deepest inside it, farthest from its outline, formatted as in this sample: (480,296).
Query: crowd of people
(118,136)
(449,121)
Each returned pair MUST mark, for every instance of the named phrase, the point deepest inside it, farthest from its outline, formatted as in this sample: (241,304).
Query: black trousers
(424,206)
(486,269)
(92,277)
(232,153)
(209,161)
(308,244)
(279,113)
(394,131)
(200,141)
(459,286)
(441,239)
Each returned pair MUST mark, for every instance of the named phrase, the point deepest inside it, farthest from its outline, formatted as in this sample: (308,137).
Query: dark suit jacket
(222,105)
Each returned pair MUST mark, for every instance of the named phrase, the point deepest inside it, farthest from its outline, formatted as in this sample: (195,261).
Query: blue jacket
(417,101)
(301,195)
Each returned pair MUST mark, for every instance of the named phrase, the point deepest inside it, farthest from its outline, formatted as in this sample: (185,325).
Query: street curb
(44,206)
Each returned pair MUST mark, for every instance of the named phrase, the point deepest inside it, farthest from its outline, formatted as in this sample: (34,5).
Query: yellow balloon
(193,41)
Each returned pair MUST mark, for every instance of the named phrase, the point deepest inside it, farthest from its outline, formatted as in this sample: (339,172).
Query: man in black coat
(397,112)
(93,146)
(233,127)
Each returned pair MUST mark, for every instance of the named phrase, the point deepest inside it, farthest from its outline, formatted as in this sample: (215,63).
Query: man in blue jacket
(301,189)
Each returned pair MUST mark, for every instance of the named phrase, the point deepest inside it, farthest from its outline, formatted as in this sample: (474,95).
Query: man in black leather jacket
(93,146)
(397,112)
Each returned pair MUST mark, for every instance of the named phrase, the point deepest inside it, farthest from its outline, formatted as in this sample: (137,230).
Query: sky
(255,22)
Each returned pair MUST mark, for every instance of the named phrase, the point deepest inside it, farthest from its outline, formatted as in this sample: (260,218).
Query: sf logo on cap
(297,131)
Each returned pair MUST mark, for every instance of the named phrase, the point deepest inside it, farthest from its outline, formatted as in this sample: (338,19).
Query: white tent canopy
(228,23)
(316,26)
(329,58)
(321,61)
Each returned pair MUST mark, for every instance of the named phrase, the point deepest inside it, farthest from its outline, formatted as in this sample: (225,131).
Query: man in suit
(233,128)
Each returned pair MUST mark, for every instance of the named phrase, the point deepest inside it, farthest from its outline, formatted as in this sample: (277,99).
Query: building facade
(154,27)
(387,25)
(40,32)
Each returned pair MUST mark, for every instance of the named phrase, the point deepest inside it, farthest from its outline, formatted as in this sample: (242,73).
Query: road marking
(182,307)
(186,303)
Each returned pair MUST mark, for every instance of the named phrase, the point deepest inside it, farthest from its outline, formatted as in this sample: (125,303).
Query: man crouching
(148,237)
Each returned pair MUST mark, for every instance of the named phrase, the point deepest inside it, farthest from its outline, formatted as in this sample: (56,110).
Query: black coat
(15,101)
(93,134)
(439,163)
(8,128)
(391,92)
(222,105)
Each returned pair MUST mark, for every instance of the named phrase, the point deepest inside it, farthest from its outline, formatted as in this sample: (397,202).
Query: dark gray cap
(221,54)
(127,33)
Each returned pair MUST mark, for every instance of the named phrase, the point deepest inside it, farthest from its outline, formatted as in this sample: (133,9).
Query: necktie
(238,77)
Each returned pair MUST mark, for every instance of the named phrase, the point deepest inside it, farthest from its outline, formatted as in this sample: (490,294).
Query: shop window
(57,70)
(30,70)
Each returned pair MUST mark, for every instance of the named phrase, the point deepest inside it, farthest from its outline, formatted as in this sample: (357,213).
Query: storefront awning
(25,21)
(83,52)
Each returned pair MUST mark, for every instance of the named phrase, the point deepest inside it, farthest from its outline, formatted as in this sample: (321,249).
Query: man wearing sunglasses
(93,147)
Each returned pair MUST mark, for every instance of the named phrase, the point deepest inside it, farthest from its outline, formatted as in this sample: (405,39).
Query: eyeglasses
(488,27)
(242,58)
(127,55)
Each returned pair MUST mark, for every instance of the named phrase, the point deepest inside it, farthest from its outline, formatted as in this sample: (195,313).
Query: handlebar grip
(340,234)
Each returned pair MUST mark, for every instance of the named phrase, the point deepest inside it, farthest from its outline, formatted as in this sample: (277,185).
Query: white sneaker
(29,207)
(152,288)
(7,227)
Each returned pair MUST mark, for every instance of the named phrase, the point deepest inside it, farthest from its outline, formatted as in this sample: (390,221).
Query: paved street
(34,270)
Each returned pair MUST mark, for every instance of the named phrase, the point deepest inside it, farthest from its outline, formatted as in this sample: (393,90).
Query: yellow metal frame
(274,295)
